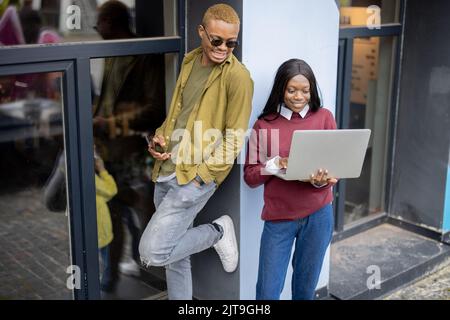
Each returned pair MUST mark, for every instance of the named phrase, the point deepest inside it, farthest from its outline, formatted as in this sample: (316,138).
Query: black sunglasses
(217,42)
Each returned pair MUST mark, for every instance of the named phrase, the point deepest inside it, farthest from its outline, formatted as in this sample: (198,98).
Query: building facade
(381,65)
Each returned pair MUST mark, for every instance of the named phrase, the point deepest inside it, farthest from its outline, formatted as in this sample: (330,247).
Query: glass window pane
(131,97)
(370,107)
(368,12)
(34,224)
(54,21)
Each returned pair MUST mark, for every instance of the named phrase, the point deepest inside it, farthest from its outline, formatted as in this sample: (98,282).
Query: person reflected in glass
(131,103)
(105,190)
(54,196)
(31,22)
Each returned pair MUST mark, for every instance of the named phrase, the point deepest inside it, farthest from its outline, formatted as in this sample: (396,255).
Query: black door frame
(73,60)
(344,78)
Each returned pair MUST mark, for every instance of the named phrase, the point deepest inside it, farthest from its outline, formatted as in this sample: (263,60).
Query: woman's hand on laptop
(321,179)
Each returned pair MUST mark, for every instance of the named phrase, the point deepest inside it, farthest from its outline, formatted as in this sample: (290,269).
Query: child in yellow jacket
(105,190)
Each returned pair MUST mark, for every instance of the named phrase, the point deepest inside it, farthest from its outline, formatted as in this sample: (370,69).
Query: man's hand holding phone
(155,147)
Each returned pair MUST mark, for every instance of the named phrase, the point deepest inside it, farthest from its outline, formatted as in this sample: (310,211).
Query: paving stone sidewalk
(435,286)
(34,248)
(35,254)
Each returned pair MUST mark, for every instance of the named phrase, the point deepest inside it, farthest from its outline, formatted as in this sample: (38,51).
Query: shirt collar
(198,51)
(287,113)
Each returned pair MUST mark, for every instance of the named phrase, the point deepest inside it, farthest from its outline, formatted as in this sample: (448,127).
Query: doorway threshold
(372,263)
(145,287)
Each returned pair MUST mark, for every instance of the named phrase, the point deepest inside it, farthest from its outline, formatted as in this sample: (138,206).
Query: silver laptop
(341,152)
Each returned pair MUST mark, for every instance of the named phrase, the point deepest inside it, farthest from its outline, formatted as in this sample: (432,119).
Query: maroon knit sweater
(285,200)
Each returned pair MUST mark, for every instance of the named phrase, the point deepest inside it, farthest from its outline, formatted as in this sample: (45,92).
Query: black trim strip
(73,51)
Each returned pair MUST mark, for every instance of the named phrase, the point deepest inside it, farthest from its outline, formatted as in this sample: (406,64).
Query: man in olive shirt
(212,99)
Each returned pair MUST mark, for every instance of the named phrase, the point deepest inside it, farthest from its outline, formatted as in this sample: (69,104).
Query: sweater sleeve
(105,185)
(254,173)
(330,122)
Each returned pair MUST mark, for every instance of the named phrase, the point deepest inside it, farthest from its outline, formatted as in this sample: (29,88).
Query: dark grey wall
(210,281)
(423,131)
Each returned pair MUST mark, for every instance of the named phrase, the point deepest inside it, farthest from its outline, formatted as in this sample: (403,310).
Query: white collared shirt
(287,113)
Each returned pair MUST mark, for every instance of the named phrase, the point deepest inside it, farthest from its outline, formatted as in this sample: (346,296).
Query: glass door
(367,70)
(37,220)
(50,80)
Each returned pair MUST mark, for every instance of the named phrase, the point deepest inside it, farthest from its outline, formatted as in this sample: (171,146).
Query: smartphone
(158,148)
(147,139)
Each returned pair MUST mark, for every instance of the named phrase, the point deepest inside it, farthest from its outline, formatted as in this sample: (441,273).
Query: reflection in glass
(370,102)
(129,103)
(34,230)
(368,12)
(26,22)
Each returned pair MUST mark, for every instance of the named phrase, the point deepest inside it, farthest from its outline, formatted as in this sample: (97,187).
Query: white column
(273,32)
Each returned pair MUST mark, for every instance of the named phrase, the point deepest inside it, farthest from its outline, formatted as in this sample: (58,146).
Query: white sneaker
(227,246)
(130,268)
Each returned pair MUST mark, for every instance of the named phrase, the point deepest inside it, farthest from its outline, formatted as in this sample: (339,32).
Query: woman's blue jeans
(311,235)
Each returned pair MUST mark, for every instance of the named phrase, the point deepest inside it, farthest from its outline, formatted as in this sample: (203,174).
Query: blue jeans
(312,236)
(169,238)
(106,281)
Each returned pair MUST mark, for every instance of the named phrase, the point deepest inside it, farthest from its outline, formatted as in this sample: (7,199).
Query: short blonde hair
(222,12)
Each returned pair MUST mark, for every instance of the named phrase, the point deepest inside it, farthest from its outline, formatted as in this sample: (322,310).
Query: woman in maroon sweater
(295,213)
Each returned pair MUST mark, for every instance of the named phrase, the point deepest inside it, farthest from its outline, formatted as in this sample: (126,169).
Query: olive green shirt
(191,94)
(224,107)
